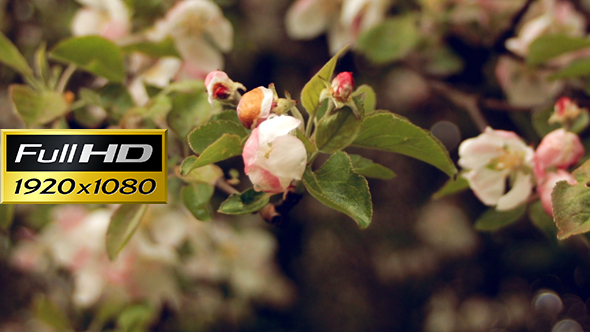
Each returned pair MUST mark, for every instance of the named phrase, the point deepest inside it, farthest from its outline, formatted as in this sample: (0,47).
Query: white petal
(138,92)
(351,9)
(287,158)
(487,185)
(307,19)
(88,287)
(87,22)
(162,72)
(479,151)
(277,126)
(338,37)
(199,53)
(521,190)
(221,31)
(266,106)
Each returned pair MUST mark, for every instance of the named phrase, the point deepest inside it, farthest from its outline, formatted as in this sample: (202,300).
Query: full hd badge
(84,166)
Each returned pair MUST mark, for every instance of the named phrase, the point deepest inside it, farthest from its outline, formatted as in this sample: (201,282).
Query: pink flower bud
(560,149)
(273,158)
(566,112)
(342,86)
(255,106)
(218,85)
(546,187)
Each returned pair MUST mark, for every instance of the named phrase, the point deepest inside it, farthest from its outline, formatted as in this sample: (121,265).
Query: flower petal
(264,180)
(87,22)
(277,126)
(488,185)
(520,192)
(250,152)
(287,157)
(307,19)
(162,72)
(201,55)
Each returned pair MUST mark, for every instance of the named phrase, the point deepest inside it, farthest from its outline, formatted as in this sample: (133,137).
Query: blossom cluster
(502,169)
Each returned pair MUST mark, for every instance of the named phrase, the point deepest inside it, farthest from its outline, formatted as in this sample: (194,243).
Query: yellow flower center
(508,159)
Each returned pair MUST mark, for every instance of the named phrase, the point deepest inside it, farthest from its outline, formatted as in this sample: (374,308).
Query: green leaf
(249,201)
(575,69)
(452,187)
(230,115)
(310,147)
(90,97)
(337,186)
(338,129)
(226,146)
(196,198)
(540,122)
(206,174)
(370,98)
(136,318)
(202,137)
(323,108)
(6,216)
(368,168)
(51,314)
(310,94)
(547,47)
(10,56)
(389,132)
(41,65)
(94,54)
(123,225)
(160,49)
(186,86)
(493,219)
(571,204)
(542,220)
(116,100)
(391,40)
(37,107)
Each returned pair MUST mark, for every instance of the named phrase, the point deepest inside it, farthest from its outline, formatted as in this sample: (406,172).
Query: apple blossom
(559,149)
(158,74)
(221,87)
(553,17)
(493,157)
(566,112)
(199,30)
(108,18)
(546,187)
(343,20)
(273,157)
(255,106)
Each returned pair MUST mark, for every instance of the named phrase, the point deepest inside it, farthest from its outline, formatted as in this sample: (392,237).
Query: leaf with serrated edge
(493,219)
(37,107)
(571,204)
(310,147)
(226,146)
(452,187)
(202,137)
(337,186)
(389,132)
(310,95)
(196,198)
(339,129)
(10,56)
(368,168)
(123,225)
(243,203)
(94,54)
(188,110)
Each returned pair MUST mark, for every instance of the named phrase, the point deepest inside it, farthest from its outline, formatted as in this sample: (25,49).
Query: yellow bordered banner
(83,166)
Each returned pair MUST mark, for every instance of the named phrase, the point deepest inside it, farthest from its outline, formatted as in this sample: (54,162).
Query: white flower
(492,158)
(199,30)
(555,17)
(343,20)
(273,157)
(107,18)
(158,74)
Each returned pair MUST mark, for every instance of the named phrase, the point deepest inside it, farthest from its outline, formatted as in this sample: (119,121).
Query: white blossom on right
(492,158)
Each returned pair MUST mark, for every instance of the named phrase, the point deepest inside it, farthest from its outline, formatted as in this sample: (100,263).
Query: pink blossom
(342,86)
(490,159)
(107,18)
(220,86)
(273,157)
(546,187)
(255,106)
(566,112)
(560,149)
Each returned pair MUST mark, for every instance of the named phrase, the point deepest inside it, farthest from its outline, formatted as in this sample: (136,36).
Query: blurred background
(420,266)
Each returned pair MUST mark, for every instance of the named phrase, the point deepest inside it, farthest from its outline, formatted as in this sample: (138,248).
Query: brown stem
(466,101)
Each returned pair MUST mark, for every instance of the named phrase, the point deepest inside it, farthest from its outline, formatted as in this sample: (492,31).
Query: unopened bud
(342,86)
(566,112)
(255,106)
(559,149)
(221,87)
